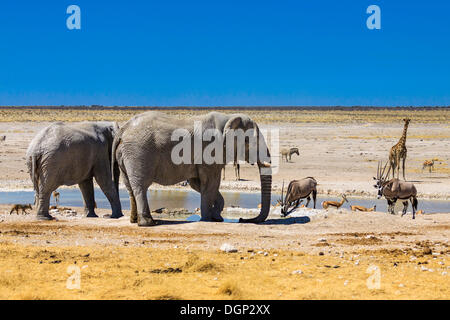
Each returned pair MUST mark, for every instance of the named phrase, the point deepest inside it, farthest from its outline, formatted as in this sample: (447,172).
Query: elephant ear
(232,124)
(239,122)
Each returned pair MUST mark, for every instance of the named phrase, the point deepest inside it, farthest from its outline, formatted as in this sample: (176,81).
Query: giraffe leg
(404,160)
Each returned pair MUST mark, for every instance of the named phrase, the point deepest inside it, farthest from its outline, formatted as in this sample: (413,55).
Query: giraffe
(398,152)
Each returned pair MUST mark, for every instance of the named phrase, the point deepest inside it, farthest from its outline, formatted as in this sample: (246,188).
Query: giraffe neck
(403,137)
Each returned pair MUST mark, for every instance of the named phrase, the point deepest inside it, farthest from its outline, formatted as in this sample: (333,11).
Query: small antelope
(22,207)
(429,164)
(56,196)
(335,204)
(288,152)
(364,209)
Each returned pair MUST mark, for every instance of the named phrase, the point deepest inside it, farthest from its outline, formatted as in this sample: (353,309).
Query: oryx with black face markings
(395,189)
(298,190)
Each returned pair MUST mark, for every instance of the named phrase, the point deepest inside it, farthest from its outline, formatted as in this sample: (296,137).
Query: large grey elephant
(143,150)
(68,154)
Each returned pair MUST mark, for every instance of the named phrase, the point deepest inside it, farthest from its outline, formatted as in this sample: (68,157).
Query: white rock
(444,273)
(345,282)
(401,285)
(423,268)
(297,272)
(226,247)
(356,262)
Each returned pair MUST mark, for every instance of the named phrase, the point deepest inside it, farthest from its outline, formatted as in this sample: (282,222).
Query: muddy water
(190,200)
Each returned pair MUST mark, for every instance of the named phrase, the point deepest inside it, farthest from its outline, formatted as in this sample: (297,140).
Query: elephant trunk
(266,188)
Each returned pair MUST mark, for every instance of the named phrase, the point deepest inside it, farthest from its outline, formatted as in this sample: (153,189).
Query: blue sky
(225,53)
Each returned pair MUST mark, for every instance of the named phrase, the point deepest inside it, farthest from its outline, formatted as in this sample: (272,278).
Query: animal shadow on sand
(160,222)
(288,221)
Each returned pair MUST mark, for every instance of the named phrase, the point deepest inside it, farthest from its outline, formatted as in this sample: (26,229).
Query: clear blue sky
(225,53)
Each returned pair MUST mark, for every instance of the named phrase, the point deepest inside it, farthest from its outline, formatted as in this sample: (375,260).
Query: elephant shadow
(280,221)
(288,221)
(160,222)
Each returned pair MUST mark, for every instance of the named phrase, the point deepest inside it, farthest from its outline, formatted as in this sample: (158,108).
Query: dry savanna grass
(301,115)
(41,272)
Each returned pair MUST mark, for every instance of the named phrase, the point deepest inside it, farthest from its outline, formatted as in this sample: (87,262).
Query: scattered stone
(345,282)
(356,262)
(423,268)
(226,247)
(297,272)
(321,253)
(401,285)
(427,250)
(444,273)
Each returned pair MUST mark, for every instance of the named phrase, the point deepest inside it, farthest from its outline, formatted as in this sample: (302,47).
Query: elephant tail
(34,172)
(114,163)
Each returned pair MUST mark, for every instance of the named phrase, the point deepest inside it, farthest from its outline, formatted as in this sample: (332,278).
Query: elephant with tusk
(68,154)
(148,149)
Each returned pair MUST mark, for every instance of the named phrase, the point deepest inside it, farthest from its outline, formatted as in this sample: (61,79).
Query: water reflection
(190,200)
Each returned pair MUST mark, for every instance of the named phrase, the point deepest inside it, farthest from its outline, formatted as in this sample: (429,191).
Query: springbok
(56,196)
(288,152)
(364,209)
(335,204)
(296,191)
(395,189)
(429,164)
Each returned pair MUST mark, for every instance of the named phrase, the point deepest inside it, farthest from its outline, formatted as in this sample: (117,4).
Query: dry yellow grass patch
(37,272)
(386,115)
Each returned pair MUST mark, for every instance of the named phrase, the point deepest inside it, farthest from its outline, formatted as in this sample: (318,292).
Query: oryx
(297,190)
(395,189)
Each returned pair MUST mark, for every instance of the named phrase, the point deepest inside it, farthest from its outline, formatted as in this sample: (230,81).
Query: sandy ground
(339,255)
(343,159)
(333,255)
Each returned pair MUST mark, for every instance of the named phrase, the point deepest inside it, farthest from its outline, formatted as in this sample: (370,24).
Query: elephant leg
(209,190)
(87,190)
(144,218)
(206,207)
(217,208)
(133,207)
(43,205)
(108,187)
